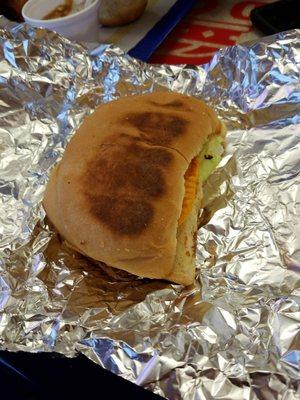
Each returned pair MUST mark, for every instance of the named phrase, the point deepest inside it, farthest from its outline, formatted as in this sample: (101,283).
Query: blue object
(144,49)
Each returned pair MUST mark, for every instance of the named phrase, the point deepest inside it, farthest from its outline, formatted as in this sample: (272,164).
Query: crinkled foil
(235,334)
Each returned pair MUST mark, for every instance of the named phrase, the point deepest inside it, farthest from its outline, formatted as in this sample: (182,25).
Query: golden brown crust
(118,193)
(120,12)
(122,184)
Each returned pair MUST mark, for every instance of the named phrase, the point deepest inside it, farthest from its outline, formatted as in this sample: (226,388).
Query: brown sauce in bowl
(60,11)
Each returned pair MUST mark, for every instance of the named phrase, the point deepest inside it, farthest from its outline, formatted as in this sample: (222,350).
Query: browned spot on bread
(146,179)
(151,155)
(157,128)
(175,104)
(122,215)
(121,183)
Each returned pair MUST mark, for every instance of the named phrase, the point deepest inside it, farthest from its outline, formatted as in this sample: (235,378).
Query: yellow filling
(199,170)
(190,186)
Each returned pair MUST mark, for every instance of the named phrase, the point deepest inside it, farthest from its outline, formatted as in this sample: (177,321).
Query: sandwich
(128,189)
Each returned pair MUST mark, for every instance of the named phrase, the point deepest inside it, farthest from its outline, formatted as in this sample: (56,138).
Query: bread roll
(120,12)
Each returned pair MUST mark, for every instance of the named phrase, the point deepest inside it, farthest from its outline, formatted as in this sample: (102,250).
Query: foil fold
(235,334)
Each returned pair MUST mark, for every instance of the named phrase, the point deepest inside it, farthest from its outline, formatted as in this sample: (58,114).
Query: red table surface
(210,25)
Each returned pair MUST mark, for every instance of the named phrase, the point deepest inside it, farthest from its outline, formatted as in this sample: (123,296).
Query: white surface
(80,26)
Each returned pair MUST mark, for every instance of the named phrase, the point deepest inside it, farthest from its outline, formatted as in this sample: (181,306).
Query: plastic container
(81,26)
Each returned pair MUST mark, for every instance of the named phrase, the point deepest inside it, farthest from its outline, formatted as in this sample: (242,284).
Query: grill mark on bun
(131,177)
(143,177)
(175,104)
(155,127)
(121,214)
(151,155)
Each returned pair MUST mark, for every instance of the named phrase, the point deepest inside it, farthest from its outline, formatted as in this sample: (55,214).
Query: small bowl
(81,26)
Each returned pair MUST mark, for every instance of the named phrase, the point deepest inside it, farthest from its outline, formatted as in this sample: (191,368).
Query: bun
(120,12)
(117,194)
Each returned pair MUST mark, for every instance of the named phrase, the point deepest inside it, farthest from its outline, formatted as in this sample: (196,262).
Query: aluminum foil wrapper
(232,335)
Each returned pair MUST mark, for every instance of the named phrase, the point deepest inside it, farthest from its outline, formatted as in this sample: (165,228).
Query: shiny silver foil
(235,334)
